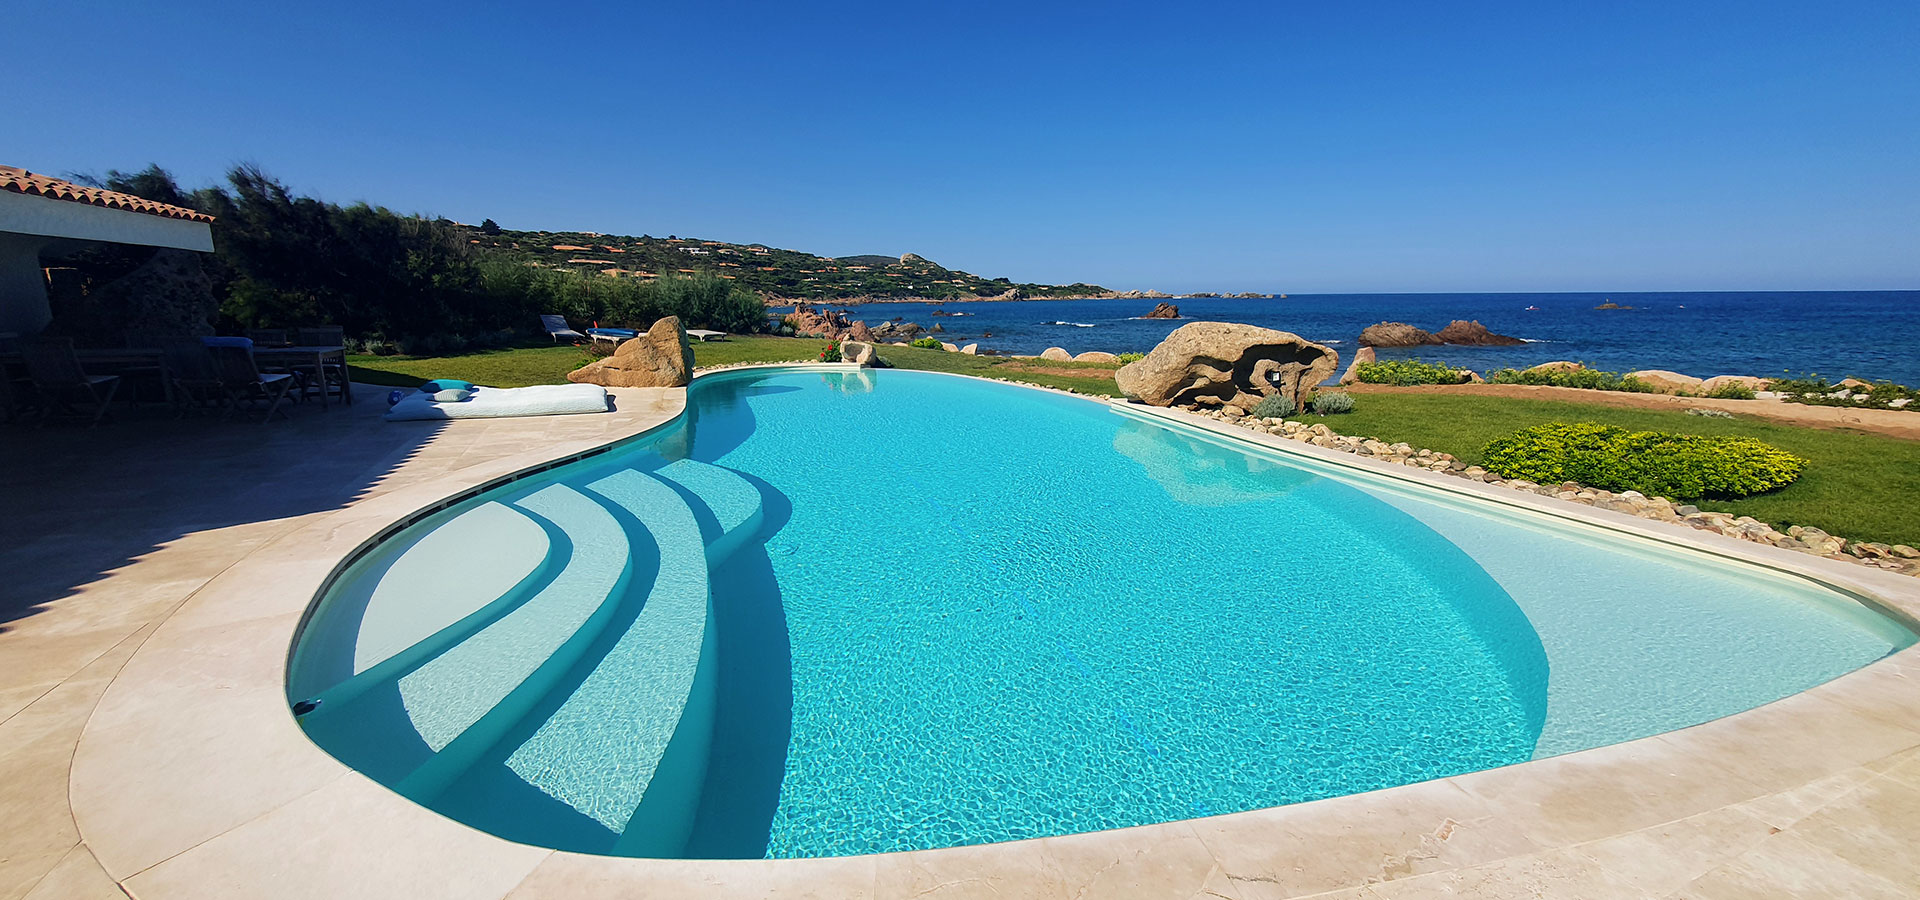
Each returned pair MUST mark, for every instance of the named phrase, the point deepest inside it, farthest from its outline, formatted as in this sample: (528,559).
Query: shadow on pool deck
(78,504)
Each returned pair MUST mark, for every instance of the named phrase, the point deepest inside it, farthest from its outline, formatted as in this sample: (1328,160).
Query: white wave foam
(1074,324)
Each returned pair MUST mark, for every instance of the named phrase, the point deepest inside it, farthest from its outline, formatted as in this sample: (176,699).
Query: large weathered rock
(1362,355)
(810,322)
(860,353)
(167,295)
(1460,331)
(1057,354)
(1558,365)
(896,331)
(1163,311)
(1668,382)
(1395,334)
(1096,356)
(1221,364)
(1746,381)
(660,358)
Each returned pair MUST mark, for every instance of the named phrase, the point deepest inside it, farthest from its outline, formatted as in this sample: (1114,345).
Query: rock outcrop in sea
(1460,331)
(1163,311)
(1395,334)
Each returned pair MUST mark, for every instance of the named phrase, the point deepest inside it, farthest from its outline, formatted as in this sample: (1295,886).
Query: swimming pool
(842,612)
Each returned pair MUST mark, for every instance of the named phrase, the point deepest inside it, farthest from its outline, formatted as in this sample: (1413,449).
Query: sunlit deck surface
(155,571)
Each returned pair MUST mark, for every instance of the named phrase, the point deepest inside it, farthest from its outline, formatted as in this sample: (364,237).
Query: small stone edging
(1898,558)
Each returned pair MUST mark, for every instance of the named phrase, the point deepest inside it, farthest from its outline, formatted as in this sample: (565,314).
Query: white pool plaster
(181,773)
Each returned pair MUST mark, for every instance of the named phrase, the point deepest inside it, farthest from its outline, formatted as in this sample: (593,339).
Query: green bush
(831,353)
(1730,391)
(1124,358)
(1588,379)
(1329,404)
(928,343)
(1677,466)
(1406,372)
(1275,406)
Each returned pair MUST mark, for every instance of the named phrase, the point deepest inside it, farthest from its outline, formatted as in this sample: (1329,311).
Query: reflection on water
(1204,473)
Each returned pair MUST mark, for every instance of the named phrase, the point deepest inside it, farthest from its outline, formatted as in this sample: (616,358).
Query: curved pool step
(728,506)
(461,702)
(410,608)
(637,724)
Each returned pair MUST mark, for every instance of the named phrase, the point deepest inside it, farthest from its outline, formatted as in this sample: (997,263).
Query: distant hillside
(787,274)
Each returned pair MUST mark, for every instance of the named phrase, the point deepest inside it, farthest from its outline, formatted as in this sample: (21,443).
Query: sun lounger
(615,335)
(704,335)
(494,403)
(558,328)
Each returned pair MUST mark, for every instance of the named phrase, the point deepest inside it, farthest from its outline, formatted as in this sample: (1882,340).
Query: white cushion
(488,403)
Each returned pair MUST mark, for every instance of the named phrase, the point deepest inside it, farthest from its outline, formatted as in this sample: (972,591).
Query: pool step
(727,505)
(417,727)
(467,699)
(419,598)
(637,723)
(578,700)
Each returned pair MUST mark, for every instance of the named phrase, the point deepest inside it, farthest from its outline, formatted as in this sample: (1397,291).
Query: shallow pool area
(847,612)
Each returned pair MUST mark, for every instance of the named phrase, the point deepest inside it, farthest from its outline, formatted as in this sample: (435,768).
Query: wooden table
(315,358)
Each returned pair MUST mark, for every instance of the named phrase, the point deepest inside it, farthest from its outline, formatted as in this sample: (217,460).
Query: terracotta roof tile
(21,181)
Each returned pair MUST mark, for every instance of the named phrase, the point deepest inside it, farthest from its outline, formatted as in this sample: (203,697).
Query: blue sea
(1866,334)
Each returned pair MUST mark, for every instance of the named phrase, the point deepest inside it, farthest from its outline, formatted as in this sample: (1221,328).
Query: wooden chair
(269,337)
(334,375)
(60,381)
(194,384)
(243,382)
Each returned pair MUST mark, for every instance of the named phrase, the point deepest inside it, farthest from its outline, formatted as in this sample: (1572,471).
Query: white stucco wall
(27,214)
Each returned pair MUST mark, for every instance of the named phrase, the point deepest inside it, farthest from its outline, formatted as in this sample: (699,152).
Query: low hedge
(1677,466)
(1588,379)
(1406,372)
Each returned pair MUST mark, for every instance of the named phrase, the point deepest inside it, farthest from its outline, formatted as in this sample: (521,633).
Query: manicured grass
(517,367)
(549,365)
(1860,486)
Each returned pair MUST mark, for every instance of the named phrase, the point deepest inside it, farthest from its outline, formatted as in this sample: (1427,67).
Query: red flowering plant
(832,353)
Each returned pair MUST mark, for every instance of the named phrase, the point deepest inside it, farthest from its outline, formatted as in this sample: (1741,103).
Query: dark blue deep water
(1868,334)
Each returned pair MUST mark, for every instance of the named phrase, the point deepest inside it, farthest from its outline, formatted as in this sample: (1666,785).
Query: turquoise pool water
(836,613)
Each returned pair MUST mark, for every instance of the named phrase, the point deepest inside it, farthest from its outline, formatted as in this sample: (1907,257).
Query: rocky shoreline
(1012,295)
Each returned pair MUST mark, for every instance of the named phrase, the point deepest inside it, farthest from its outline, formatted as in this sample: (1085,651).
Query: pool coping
(191,778)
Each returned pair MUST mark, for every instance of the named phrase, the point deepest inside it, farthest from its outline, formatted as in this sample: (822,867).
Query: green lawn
(1859,486)
(549,365)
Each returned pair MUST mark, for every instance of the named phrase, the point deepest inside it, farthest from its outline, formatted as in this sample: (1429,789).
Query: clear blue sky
(1302,147)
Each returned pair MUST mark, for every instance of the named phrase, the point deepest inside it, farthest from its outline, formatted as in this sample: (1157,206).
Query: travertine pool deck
(153,573)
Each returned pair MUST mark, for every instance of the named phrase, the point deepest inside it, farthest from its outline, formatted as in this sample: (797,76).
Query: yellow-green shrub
(1678,466)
